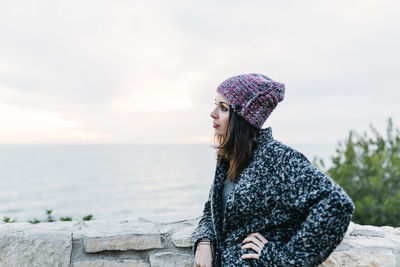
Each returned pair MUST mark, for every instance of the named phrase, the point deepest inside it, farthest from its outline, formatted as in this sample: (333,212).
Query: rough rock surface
(140,242)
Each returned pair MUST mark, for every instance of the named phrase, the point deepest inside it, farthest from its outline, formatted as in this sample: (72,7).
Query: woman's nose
(213,114)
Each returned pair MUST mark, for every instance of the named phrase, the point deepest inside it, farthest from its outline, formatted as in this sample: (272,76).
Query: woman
(268,205)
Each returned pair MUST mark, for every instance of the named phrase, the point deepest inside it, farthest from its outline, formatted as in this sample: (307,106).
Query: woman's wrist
(204,242)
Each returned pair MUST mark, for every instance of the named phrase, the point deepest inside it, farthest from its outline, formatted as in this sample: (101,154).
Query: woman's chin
(218,133)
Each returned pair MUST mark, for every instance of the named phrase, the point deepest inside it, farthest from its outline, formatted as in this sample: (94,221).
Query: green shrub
(368,169)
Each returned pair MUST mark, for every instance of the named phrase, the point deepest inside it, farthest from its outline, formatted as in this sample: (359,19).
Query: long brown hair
(237,146)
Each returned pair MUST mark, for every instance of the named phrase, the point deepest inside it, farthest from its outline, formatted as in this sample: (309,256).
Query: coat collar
(263,136)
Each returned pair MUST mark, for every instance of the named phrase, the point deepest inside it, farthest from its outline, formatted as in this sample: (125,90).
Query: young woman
(268,205)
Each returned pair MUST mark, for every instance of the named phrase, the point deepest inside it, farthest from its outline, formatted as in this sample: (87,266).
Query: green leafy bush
(368,168)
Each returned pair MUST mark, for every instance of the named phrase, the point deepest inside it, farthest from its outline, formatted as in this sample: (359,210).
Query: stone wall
(143,243)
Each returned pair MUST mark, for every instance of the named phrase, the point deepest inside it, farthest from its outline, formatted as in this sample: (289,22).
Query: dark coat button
(248,95)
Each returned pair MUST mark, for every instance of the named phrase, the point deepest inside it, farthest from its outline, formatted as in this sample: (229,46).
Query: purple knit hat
(253,96)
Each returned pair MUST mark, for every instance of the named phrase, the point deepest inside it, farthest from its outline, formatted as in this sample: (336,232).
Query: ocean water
(109,181)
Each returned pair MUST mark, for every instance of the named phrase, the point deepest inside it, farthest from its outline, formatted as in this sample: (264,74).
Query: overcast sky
(147,71)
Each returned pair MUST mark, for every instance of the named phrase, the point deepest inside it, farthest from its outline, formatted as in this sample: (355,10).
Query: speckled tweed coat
(301,211)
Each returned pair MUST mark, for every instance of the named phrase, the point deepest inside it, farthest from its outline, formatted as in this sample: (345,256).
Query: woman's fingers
(250,256)
(252,246)
(259,236)
(254,240)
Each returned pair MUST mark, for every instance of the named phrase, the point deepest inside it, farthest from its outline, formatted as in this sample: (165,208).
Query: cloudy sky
(146,71)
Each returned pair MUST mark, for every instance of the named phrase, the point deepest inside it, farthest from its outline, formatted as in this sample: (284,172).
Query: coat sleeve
(205,228)
(327,212)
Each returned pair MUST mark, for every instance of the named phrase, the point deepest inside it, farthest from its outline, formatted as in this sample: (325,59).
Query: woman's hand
(204,255)
(256,242)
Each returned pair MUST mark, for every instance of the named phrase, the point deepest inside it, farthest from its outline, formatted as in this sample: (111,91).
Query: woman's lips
(215,125)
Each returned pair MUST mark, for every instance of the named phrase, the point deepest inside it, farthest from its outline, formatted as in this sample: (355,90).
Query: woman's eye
(222,107)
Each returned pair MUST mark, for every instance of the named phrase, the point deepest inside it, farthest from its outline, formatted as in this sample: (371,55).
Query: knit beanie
(252,96)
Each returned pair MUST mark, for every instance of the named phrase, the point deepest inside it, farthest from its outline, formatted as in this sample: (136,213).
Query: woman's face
(220,115)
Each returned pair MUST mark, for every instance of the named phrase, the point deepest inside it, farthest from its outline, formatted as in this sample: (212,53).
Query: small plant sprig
(8,220)
(34,221)
(49,217)
(87,217)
